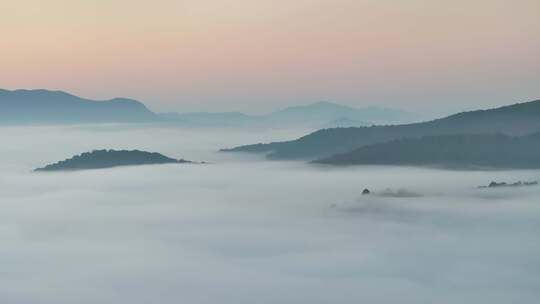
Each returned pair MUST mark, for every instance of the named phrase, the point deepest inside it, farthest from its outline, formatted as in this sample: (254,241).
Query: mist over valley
(270,152)
(280,231)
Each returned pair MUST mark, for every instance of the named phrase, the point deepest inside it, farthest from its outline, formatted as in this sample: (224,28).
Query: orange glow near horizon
(252,54)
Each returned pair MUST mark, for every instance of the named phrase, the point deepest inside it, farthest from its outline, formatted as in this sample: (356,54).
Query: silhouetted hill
(518,119)
(55,107)
(99,159)
(454,151)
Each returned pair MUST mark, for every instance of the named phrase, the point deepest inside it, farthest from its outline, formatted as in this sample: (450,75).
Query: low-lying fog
(245,230)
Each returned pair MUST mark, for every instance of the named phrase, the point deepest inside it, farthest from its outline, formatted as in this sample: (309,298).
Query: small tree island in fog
(100,159)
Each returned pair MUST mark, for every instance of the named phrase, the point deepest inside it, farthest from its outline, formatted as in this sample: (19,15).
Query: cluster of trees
(99,159)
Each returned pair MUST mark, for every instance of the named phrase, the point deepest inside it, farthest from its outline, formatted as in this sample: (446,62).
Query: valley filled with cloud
(242,229)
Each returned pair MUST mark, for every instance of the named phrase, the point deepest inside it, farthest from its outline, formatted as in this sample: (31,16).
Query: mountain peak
(38,106)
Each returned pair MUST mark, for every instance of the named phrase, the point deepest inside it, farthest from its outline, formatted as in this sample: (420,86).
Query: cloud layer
(245,230)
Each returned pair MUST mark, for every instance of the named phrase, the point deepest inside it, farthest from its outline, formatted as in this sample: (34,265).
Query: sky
(260,55)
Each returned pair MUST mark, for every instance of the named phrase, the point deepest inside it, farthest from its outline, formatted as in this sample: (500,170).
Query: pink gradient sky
(258,55)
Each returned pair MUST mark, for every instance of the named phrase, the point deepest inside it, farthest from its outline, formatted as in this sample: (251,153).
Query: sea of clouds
(244,230)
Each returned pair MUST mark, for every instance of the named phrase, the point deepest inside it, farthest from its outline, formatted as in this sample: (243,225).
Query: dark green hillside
(518,119)
(99,159)
(454,151)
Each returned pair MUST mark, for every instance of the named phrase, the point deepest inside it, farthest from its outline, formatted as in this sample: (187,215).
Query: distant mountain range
(101,159)
(478,151)
(317,115)
(57,107)
(209,119)
(328,113)
(515,120)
